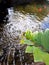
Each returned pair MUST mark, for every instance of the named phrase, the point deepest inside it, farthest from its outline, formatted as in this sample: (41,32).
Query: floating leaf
(40,56)
(29,49)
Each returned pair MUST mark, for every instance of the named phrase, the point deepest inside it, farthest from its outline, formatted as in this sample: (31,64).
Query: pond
(22,18)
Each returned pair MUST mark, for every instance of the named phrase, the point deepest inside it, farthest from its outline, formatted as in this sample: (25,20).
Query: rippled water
(10,33)
(19,23)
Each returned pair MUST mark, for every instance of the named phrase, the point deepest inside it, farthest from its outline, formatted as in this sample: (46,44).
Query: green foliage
(45,40)
(34,37)
(37,38)
(40,56)
(25,41)
(29,49)
(29,35)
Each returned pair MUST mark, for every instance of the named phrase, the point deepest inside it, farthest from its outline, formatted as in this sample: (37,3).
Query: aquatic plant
(45,40)
(29,35)
(40,56)
(34,37)
(37,38)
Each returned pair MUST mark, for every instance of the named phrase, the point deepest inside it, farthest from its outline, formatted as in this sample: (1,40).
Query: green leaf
(29,49)
(28,42)
(29,35)
(37,38)
(45,40)
(40,55)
